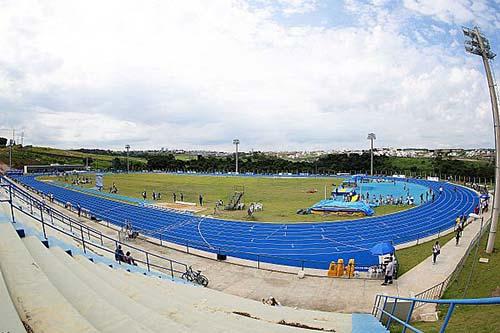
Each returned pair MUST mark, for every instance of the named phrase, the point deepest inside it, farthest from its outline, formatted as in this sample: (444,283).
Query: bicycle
(196,277)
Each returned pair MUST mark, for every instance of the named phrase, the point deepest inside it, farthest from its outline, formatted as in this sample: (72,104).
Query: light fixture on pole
(477,44)
(236,142)
(371,137)
(128,165)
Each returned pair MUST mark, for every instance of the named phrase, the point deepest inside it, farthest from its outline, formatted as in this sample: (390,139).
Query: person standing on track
(201,199)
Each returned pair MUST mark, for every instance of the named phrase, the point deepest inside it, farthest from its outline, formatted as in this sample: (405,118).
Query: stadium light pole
(11,143)
(236,142)
(128,165)
(371,137)
(477,44)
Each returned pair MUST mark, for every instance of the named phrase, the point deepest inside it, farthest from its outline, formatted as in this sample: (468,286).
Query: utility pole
(477,44)
(236,142)
(371,137)
(128,165)
(11,147)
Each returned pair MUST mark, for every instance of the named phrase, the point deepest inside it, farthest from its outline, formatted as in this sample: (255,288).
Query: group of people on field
(181,197)
(155,195)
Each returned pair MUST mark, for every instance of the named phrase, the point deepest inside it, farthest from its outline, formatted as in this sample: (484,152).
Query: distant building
(53,168)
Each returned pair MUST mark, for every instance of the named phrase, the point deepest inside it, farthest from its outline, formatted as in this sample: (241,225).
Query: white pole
(496,122)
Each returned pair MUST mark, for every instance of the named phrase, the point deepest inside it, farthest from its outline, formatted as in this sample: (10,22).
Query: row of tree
(327,164)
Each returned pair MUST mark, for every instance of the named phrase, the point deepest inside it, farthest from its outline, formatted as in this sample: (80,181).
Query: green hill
(43,155)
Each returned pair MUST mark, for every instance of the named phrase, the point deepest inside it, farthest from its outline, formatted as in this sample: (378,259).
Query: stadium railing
(385,309)
(90,238)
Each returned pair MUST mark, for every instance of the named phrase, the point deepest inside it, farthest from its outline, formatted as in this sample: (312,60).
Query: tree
(118,164)
(3,142)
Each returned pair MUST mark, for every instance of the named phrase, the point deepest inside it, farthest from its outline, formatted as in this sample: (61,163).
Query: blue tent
(336,206)
(382,248)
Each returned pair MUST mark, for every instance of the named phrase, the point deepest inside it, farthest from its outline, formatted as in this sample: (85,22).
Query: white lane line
(201,235)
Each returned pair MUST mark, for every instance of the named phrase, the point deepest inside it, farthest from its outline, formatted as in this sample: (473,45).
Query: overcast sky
(279,75)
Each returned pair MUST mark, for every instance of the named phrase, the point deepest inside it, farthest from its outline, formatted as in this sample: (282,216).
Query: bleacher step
(363,323)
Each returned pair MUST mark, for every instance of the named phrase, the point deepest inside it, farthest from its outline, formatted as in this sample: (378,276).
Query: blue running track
(313,245)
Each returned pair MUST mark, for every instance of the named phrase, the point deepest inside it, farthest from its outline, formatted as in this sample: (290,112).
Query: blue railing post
(375,305)
(383,307)
(83,239)
(408,317)
(43,222)
(447,318)
(11,204)
(388,325)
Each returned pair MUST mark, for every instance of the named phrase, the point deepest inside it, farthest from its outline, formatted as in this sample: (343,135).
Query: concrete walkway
(426,274)
(318,293)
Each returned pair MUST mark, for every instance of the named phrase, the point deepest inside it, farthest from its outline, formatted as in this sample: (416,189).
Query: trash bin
(332,270)
(340,267)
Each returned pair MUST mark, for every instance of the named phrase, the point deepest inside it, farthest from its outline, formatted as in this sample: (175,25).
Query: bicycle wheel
(187,277)
(202,280)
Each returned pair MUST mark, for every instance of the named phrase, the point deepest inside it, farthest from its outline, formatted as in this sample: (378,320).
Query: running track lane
(313,245)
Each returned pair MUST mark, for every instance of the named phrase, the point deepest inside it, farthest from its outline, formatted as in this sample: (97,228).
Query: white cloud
(195,74)
(298,6)
(288,7)
(481,12)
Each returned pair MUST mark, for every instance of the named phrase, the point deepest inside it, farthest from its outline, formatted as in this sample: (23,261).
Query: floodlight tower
(128,165)
(236,142)
(477,44)
(371,137)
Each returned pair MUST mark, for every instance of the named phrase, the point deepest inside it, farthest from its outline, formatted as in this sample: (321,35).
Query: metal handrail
(380,311)
(85,230)
(458,301)
(86,227)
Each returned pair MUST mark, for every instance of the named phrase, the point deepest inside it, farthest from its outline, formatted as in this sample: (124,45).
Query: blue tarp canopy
(331,205)
(382,248)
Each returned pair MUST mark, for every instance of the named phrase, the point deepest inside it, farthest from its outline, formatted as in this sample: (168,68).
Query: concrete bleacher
(52,291)
(10,319)
(37,301)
